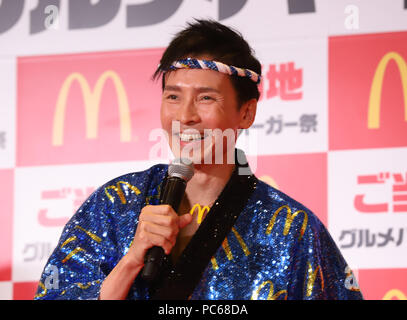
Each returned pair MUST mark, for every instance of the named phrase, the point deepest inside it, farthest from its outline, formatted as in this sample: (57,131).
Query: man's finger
(184,220)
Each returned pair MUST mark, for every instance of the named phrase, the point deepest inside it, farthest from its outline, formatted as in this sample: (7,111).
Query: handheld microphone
(180,171)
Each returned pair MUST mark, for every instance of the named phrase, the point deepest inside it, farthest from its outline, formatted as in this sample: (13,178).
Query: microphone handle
(172,194)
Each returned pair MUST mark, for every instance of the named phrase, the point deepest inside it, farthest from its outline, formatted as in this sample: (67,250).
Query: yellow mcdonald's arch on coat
(373,117)
(201,211)
(92,104)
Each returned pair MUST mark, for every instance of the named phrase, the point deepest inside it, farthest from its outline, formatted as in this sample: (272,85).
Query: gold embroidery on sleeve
(42,294)
(90,234)
(118,189)
(72,253)
(67,241)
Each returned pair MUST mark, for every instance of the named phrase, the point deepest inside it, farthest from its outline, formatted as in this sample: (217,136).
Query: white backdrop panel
(51,195)
(368,239)
(7,111)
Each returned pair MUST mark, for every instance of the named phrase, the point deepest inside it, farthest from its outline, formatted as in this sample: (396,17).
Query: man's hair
(221,43)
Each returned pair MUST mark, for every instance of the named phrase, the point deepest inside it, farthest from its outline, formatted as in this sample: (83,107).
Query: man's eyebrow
(172,88)
(199,89)
(207,89)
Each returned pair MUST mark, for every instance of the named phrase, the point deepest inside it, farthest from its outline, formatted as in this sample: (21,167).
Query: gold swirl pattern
(271,295)
(154,196)
(87,285)
(72,253)
(228,251)
(201,211)
(119,191)
(241,242)
(226,248)
(214,264)
(90,234)
(78,249)
(70,239)
(312,275)
(289,219)
(42,294)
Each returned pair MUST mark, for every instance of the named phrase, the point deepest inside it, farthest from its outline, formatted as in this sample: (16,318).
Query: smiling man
(254,242)
(199,109)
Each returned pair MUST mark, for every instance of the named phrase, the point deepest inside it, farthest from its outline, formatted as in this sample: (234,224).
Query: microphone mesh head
(181,168)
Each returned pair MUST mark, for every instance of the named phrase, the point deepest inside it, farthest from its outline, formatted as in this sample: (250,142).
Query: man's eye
(172,97)
(207,98)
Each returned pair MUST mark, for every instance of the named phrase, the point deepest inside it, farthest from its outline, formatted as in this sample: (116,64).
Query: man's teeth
(190,137)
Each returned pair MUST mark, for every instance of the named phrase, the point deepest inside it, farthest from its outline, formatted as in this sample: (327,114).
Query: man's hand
(158,226)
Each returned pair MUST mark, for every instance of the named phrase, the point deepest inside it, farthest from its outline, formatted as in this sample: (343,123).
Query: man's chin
(196,157)
(209,156)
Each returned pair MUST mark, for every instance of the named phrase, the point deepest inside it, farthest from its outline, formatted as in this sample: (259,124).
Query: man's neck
(204,188)
(208,182)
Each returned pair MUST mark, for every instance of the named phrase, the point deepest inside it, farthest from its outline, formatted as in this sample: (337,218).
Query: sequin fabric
(276,250)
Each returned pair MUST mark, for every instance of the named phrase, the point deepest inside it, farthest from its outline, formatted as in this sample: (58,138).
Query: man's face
(194,103)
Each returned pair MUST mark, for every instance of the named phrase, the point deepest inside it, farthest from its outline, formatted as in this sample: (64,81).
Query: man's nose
(187,113)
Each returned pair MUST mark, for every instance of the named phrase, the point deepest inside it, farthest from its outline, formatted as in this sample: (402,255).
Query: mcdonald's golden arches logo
(395,293)
(288,221)
(92,105)
(373,117)
(271,295)
(118,189)
(312,276)
(201,211)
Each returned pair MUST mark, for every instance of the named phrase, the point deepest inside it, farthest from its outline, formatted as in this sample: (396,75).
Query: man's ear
(248,113)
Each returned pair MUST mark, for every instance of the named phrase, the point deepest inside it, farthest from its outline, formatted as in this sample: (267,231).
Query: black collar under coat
(177,282)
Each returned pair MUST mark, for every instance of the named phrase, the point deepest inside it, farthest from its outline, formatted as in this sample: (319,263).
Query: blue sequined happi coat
(255,243)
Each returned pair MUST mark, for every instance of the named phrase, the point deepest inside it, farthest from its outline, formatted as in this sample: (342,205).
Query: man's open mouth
(187,137)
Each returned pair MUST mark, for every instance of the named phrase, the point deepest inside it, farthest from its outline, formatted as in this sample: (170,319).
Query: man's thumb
(184,220)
